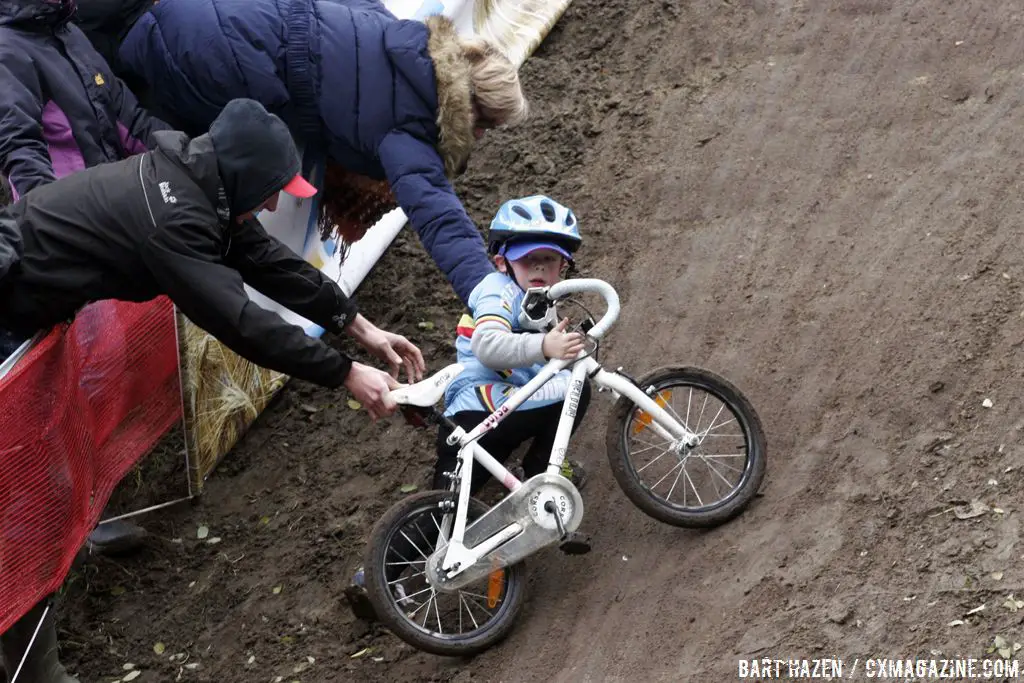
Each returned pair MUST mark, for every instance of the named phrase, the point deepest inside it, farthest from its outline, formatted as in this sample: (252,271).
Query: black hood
(36,14)
(255,154)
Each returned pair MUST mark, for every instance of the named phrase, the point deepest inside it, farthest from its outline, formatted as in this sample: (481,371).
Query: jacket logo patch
(99,79)
(165,192)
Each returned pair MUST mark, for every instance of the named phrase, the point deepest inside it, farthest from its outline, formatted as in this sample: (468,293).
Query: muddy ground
(819,200)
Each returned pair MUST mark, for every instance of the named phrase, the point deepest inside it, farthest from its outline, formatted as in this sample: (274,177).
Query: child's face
(540,268)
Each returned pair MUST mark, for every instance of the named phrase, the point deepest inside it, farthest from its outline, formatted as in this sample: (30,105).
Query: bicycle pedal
(575,544)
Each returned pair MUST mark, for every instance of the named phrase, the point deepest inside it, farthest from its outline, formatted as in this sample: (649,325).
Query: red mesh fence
(76,414)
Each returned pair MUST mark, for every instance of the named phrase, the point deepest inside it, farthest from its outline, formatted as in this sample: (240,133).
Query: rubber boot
(43,662)
(116,538)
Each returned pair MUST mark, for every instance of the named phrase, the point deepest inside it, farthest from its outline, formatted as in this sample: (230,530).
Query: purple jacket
(63,108)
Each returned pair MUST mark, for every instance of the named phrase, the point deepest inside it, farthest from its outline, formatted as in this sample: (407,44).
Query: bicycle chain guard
(524,507)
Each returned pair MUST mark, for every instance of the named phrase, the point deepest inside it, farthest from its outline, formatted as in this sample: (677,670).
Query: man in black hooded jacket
(179,220)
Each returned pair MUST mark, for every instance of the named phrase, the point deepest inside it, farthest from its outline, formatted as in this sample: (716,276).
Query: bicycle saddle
(428,392)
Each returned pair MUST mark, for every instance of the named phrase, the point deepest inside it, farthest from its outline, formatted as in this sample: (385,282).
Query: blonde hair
(496,87)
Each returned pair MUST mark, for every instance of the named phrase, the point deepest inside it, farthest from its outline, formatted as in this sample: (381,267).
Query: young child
(532,240)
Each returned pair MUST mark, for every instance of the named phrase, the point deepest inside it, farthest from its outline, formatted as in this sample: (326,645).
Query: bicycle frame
(584,367)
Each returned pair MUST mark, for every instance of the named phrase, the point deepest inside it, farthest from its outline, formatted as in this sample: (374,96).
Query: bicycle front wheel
(700,487)
(461,623)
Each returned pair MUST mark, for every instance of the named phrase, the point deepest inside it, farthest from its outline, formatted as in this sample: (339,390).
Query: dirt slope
(818,200)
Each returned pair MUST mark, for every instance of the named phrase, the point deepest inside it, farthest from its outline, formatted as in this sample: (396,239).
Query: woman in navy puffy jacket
(384,98)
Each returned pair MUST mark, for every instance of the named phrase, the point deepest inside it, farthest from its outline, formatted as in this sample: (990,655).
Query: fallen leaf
(987,403)
(993,482)
(998,511)
(975,509)
(425,325)
(287,640)
(353,404)
(408,488)
(277,590)
(977,609)
(997,576)
(192,584)
(1013,604)
(128,667)
(214,541)
(311,409)
(131,676)
(117,590)
(202,532)
(956,622)
(159,648)
(192,666)
(264,520)
(378,659)
(999,642)
(252,659)
(365,650)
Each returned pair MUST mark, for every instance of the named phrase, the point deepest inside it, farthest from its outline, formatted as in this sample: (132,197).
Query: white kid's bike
(445,573)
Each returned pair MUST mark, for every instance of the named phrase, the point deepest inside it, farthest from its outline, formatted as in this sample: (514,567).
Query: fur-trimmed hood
(454,94)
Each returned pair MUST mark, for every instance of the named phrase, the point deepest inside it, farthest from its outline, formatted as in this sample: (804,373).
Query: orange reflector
(495,585)
(643,419)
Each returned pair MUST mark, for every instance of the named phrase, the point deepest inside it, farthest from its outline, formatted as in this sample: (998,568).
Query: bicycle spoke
(404,562)
(676,481)
(723,464)
(437,611)
(714,426)
(651,462)
(669,474)
(413,543)
(728,483)
(406,578)
(463,601)
(413,595)
(700,418)
(695,492)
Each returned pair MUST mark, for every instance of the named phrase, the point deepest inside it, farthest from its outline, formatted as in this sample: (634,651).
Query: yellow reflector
(643,419)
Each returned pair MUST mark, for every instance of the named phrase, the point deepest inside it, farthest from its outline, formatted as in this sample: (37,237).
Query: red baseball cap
(299,187)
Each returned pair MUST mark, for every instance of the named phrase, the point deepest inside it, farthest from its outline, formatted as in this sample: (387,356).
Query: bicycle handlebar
(607,292)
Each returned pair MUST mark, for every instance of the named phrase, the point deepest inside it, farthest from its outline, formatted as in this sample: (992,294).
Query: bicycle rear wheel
(461,623)
(700,487)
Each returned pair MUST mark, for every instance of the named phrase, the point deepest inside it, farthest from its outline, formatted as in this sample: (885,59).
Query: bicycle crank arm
(523,508)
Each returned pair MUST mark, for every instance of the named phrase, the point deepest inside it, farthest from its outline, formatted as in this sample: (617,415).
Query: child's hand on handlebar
(560,344)
(372,388)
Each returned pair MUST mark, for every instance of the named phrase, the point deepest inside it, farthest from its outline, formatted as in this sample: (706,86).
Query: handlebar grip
(607,292)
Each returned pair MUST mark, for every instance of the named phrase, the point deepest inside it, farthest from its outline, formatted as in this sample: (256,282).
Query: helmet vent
(522,212)
(548,210)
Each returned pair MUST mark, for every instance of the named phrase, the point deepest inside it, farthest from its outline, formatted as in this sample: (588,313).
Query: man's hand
(372,388)
(393,349)
(558,344)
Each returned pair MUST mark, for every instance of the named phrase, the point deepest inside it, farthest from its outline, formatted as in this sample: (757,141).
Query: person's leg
(499,442)
(42,664)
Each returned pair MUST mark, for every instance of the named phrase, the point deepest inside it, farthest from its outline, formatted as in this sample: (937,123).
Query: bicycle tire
(387,610)
(641,496)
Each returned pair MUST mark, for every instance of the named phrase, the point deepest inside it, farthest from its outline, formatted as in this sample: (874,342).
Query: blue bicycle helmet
(537,222)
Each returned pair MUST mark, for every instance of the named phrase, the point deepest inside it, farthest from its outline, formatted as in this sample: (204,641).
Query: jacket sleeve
(23,151)
(416,174)
(276,271)
(185,262)
(140,124)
